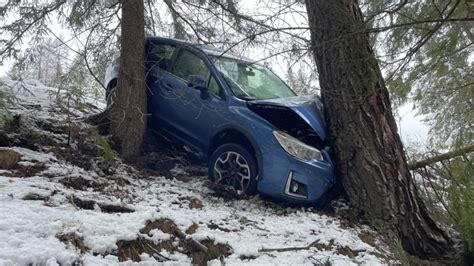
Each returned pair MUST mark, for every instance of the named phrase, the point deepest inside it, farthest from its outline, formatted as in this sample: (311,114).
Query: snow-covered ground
(59,209)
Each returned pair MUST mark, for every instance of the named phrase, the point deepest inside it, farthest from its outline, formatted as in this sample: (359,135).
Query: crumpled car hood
(309,108)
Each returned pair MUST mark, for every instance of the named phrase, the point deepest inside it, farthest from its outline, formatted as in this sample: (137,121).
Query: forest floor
(65,199)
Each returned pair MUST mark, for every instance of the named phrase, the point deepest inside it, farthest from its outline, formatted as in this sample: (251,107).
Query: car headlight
(297,148)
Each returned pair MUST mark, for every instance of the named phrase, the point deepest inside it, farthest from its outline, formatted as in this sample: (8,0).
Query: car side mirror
(197,82)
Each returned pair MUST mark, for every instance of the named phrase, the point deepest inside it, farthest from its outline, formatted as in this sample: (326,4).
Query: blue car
(255,132)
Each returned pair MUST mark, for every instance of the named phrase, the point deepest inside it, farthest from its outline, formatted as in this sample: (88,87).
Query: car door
(199,114)
(159,81)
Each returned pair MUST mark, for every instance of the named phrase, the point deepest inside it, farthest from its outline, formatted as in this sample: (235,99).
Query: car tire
(233,165)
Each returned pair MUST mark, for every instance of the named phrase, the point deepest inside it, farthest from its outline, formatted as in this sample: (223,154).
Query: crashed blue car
(255,132)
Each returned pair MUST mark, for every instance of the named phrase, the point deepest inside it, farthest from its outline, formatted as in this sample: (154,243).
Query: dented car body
(255,132)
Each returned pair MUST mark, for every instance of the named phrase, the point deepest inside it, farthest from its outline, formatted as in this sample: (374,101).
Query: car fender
(249,121)
(112,72)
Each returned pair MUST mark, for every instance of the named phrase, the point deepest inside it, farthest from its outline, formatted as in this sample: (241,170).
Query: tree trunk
(367,149)
(127,113)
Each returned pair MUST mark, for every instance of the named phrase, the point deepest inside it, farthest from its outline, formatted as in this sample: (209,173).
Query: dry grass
(192,229)
(213,226)
(215,251)
(29,170)
(75,240)
(80,183)
(132,249)
(368,238)
(346,251)
(90,205)
(9,159)
(193,202)
(225,192)
(34,196)
(164,225)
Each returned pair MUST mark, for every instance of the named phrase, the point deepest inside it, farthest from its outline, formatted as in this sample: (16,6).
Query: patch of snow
(33,156)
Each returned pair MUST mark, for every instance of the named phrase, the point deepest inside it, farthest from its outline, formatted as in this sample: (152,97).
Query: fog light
(295,188)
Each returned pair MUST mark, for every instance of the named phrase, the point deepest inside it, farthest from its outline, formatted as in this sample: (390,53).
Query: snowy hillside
(61,202)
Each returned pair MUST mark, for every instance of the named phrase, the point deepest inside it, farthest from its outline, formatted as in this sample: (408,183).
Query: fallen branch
(157,255)
(196,244)
(318,246)
(313,244)
(71,200)
(441,157)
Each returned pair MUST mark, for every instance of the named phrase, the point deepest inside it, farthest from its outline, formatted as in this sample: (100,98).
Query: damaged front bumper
(287,178)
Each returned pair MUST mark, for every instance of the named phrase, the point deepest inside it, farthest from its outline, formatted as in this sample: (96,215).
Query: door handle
(168,86)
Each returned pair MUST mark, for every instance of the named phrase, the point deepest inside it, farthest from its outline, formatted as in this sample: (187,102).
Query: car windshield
(251,81)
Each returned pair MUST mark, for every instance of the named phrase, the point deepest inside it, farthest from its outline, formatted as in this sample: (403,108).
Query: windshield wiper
(247,98)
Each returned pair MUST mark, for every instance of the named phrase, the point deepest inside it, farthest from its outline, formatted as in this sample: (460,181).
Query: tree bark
(367,149)
(128,111)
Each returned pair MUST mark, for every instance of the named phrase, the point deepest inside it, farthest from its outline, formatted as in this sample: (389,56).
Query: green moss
(392,239)
(5,120)
(109,153)
(5,116)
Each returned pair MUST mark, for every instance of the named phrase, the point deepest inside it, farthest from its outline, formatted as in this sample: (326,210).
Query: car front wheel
(233,165)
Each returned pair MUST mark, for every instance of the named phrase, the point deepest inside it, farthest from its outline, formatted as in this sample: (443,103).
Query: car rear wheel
(233,165)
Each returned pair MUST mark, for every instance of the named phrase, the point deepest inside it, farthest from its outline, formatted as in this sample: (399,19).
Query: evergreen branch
(83,55)
(174,11)
(389,11)
(20,35)
(426,175)
(370,30)
(305,49)
(424,39)
(441,157)
(252,36)
(417,22)
(87,61)
(249,19)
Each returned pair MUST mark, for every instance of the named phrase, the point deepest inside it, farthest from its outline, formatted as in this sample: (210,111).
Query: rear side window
(188,63)
(161,55)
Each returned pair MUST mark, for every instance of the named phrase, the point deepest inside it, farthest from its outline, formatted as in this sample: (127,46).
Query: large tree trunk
(129,107)
(367,149)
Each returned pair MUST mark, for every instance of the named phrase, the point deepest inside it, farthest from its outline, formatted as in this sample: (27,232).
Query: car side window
(161,55)
(188,63)
(214,88)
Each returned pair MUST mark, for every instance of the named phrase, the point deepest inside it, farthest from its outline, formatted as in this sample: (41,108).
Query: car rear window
(160,55)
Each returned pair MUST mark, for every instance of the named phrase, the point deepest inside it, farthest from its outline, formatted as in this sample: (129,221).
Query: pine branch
(83,55)
(441,157)
(20,34)
(418,22)
(177,15)
(252,20)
